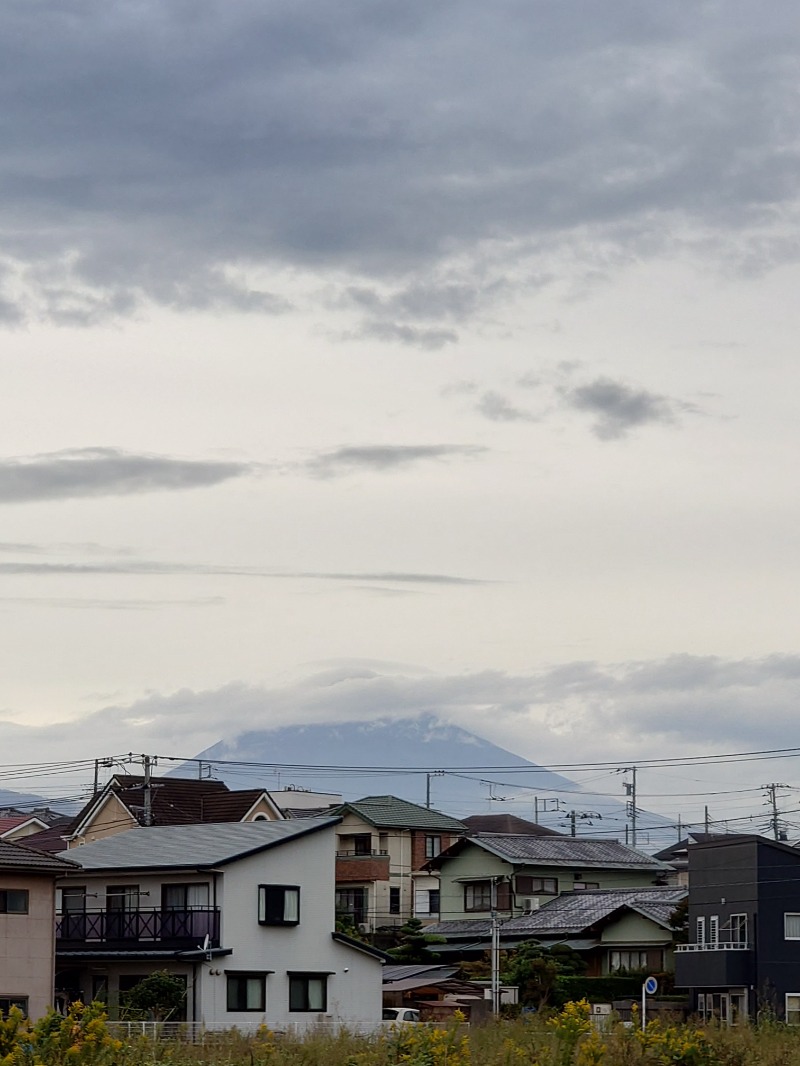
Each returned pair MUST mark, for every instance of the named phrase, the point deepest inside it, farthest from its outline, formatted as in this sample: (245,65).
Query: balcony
(714,965)
(357,867)
(166,929)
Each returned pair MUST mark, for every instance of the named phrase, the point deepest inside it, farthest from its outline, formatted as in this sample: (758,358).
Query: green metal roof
(390,812)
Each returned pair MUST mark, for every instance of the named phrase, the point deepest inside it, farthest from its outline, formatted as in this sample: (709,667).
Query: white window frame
(700,929)
(791,914)
(713,929)
(793,1010)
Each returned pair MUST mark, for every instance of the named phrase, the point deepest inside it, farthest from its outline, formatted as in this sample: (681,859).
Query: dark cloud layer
(157,151)
(106,472)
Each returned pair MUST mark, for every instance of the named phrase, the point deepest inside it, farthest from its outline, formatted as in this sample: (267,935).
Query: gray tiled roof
(390,812)
(580,852)
(190,846)
(571,913)
(18,857)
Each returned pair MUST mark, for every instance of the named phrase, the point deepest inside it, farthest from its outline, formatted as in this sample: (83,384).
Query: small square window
(278,904)
(791,926)
(247,991)
(308,992)
(13,901)
(793,1008)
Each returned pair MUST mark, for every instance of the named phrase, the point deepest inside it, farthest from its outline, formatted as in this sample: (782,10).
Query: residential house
(435,991)
(743,954)
(615,930)
(27,928)
(383,845)
(241,913)
(514,873)
(128,801)
(677,855)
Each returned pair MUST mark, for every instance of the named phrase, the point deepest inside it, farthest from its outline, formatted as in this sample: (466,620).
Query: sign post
(649,988)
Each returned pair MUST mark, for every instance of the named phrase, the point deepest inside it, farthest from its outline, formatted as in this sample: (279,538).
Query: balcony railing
(720,945)
(175,927)
(362,854)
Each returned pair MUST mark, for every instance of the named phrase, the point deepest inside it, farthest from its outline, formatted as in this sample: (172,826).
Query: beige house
(383,845)
(129,801)
(27,927)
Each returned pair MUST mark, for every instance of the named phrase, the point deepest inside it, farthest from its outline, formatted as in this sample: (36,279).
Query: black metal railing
(362,854)
(153,926)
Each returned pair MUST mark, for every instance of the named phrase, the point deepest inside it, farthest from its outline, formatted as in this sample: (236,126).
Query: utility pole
(772,800)
(147,763)
(495,951)
(630,790)
(706,821)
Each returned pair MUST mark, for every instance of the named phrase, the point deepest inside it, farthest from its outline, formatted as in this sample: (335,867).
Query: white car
(400,1015)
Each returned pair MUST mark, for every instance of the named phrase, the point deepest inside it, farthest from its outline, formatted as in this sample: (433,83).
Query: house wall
(112,817)
(354,984)
(27,944)
(474,863)
(399,845)
(260,810)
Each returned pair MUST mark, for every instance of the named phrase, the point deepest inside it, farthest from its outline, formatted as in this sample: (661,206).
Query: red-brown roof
(506,823)
(12,822)
(178,801)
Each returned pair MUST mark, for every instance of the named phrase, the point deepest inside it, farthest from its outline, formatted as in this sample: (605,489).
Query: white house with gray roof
(515,873)
(242,913)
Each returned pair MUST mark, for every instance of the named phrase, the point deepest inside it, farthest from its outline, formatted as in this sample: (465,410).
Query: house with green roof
(383,845)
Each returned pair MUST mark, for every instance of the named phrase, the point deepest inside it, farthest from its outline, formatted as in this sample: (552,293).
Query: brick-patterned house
(382,847)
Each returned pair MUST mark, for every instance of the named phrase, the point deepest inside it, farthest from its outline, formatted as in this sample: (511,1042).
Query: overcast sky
(377,357)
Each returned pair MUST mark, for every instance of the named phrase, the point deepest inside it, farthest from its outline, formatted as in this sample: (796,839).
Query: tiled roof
(507,823)
(572,913)
(25,859)
(177,800)
(191,846)
(580,852)
(51,840)
(12,822)
(390,812)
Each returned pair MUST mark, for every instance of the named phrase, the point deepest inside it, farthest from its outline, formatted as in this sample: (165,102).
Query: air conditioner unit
(530,904)
(363,927)
(601,1009)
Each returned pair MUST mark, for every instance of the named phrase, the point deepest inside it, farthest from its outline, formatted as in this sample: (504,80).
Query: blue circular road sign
(651,986)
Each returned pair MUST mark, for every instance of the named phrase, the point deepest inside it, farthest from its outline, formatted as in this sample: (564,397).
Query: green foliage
(538,971)
(414,943)
(599,989)
(157,997)
(79,1038)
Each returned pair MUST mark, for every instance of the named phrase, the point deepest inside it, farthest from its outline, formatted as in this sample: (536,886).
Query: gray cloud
(497,408)
(382,457)
(619,408)
(403,333)
(86,472)
(151,154)
(144,568)
(89,604)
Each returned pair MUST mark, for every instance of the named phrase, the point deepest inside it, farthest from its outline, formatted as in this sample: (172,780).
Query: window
(738,929)
(394,899)
(700,928)
(362,844)
(184,897)
(13,901)
(584,886)
(713,929)
(536,886)
(308,991)
(7,1002)
(793,1008)
(791,926)
(352,903)
(627,960)
(247,991)
(278,904)
(478,896)
(426,902)
(433,845)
